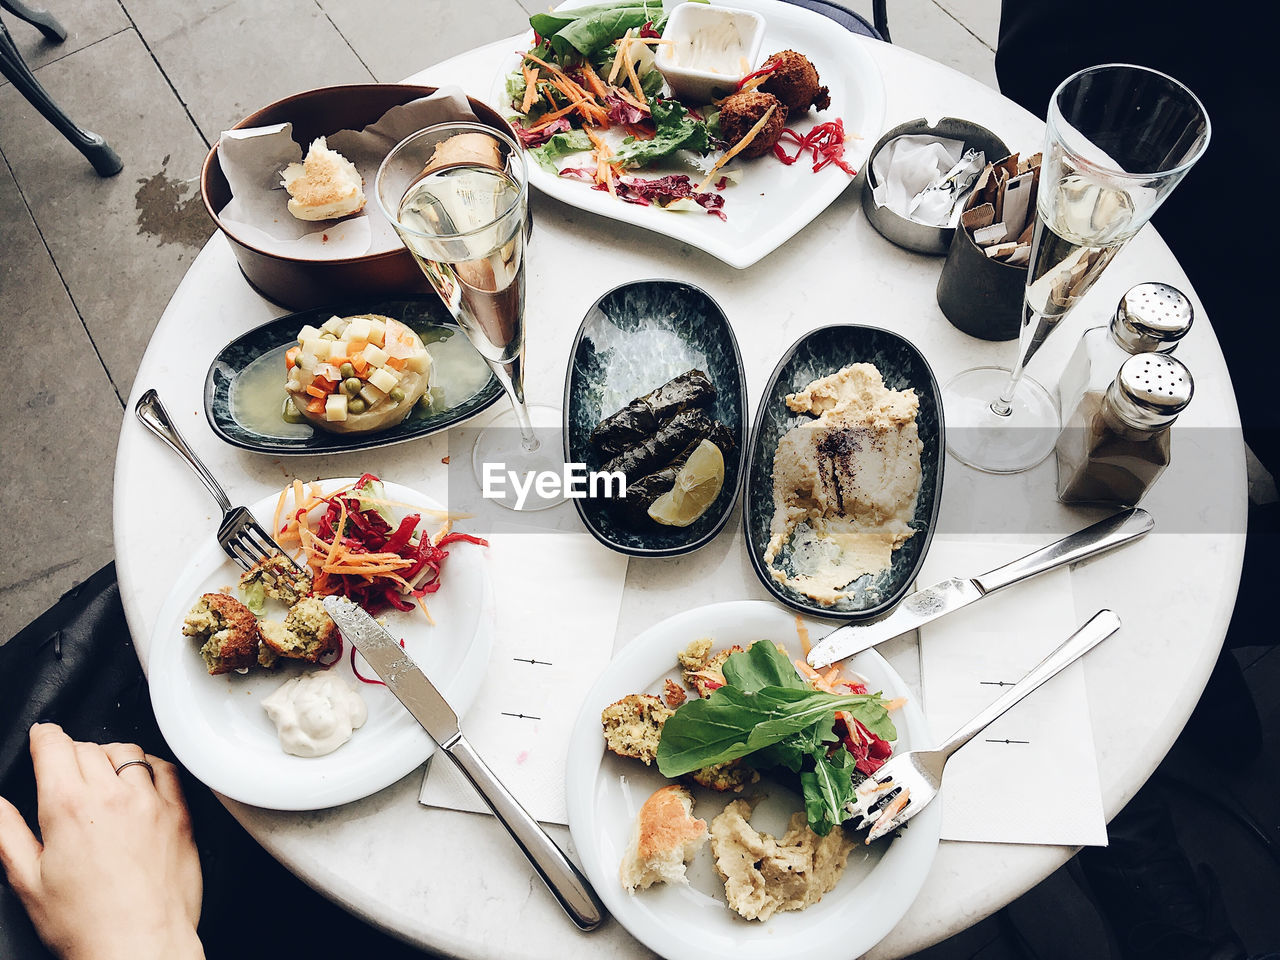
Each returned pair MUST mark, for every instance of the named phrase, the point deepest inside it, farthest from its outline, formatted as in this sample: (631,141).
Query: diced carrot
(356,347)
(317,392)
(291,357)
(315,406)
(396,363)
(360,364)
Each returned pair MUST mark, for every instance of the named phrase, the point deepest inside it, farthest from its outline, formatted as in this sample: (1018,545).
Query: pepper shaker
(1116,444)
(1150,318)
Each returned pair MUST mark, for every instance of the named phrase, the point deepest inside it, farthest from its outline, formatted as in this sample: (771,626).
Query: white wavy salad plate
(216,725)
(604,793)
(773,202)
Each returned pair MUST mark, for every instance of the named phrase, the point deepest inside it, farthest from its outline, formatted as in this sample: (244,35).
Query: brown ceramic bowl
(303,283)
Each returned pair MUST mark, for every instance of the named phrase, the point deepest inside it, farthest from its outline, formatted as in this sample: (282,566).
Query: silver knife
(927,605)
(420,697)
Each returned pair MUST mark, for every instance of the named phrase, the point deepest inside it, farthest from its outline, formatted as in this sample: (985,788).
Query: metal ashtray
(923,237)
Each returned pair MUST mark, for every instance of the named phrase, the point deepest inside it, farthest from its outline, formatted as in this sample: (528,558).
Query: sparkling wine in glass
(1119,139)
(457,194)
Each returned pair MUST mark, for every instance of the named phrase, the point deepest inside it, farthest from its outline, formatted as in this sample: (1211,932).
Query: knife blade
(925,606)
(421,698)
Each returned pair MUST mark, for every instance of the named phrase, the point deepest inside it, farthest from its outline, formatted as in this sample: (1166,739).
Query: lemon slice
(697,485)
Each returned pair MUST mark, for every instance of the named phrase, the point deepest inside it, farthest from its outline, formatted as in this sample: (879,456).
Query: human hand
(117,875)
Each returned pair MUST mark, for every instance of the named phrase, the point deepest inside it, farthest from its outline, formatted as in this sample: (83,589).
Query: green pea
(396,395)
(346,371)
(290,413)
(352,385)
(357,405)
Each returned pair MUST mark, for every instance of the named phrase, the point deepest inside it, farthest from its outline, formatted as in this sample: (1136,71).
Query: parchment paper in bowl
(258,212)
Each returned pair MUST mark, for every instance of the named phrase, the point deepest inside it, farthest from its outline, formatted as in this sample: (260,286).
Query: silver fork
(239,534)
(907,783)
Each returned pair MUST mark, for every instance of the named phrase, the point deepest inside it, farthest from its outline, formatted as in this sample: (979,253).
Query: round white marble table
(452,881)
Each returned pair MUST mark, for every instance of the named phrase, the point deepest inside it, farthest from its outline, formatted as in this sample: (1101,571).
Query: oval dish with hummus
(845,472)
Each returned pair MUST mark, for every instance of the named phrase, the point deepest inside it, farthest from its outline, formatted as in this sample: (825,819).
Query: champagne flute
(457,195)
(1119,138)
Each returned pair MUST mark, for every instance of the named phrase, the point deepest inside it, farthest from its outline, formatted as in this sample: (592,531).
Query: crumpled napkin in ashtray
(907,166)
(258,212)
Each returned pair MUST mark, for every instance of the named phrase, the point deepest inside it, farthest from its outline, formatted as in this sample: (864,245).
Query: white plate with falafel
(216,722)
(744,210)
(694,884)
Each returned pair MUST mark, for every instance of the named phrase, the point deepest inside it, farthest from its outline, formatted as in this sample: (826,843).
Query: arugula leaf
(560,145)
(675,130)
(732,723)
(827,788)
(762,665)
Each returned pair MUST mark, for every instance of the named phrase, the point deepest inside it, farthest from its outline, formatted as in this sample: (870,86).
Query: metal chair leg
(95,149)
(879,16)
(42,20)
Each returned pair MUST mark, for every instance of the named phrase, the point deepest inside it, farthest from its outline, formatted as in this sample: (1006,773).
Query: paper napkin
(557,599)
(1032,776)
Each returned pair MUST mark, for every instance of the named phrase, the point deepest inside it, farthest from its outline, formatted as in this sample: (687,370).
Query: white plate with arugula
(605,792)
(218,729)
(771,202)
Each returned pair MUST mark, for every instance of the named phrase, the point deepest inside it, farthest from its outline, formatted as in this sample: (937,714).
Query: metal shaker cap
(1150,390)
(1152,317)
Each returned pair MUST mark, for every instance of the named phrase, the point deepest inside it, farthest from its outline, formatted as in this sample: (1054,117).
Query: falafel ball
(227,630)
(742,111)
(794,81)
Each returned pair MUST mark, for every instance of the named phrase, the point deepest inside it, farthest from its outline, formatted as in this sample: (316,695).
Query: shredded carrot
(530,88)
(622,44)
(594,83)
(634,78)
(425,612)
(553,116)
(802,632)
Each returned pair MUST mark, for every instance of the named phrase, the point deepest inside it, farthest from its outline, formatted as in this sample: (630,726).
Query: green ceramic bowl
(817,354)
(635,338)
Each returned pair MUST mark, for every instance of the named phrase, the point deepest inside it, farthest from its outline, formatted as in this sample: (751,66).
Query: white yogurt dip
(315,714)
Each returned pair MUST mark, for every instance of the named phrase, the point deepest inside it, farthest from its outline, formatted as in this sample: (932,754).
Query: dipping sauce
(315,714)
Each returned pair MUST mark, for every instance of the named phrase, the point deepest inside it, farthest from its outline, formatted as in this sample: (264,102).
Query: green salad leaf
(827,788)
(675,130)
(550,23)
(768,713)
(560,145)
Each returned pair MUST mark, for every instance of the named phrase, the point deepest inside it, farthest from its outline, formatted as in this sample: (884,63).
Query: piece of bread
(227,630)
(633,726)
(465,149)
(325,186)
(664,838)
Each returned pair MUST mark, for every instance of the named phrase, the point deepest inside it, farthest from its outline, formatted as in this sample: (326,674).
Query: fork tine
(229,546)
(267,544)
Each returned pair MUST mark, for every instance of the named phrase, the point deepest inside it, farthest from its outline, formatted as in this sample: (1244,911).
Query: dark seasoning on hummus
(845,484)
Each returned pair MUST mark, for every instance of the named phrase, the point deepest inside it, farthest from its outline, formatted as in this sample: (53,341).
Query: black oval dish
(228,414)
(817,354)
(635,338)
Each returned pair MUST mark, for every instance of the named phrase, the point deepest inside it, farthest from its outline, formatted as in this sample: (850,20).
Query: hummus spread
(764,875)
(845,484)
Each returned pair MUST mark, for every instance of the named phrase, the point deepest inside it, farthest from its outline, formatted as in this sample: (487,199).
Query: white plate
(604,793)
(216,725)
(773,202)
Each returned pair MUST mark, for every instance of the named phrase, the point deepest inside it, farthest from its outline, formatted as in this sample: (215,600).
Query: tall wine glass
(1119,139)
(457,194)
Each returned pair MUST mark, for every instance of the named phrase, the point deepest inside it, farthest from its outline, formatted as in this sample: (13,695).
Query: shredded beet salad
(367,530)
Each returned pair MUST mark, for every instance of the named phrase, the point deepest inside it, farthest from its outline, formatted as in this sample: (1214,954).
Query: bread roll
(325,186)
(665,836)
(465,149)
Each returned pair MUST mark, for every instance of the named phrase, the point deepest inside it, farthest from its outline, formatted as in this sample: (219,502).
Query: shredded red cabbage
(620,111)
(536,138)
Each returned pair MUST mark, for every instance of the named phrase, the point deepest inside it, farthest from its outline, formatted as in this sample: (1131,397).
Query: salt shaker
(1116,444)
(1151,318)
